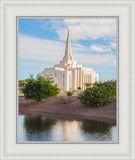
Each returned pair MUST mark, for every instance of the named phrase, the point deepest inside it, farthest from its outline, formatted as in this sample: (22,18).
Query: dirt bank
(74,110)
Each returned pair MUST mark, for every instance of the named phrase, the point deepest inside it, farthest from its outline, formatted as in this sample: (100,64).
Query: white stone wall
(71,79)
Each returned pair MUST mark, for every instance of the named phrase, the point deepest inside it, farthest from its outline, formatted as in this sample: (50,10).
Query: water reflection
(96,127)
(38,124)
(44,129)
(70,130)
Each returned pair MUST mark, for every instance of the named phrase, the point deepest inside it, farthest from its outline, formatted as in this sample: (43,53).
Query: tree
(88,85)
(79,88)
(99,95)
(39,88)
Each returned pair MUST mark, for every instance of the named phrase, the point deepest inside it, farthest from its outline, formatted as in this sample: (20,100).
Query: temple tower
(68,53)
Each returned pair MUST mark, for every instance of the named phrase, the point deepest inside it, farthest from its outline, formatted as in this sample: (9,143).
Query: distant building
(68,75)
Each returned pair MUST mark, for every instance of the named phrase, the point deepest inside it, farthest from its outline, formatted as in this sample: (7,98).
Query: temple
(68,75)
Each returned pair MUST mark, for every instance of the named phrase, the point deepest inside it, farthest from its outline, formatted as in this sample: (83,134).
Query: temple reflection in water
(70,130)
(44,129)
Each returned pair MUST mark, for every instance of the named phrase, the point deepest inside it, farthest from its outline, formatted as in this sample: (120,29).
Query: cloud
(40,49)
(82,28)
(77,45)
(96,59)
(113,45)
(53,51)
(86,28)
(100,48)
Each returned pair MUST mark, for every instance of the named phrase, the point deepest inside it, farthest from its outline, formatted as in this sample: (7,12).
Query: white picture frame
(122,150)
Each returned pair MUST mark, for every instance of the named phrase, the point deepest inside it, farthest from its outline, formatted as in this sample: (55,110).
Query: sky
(42,42)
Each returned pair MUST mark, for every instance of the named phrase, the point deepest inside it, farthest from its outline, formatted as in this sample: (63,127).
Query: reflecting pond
(43,129)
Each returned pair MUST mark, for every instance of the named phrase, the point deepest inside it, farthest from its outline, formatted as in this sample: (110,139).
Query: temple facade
(68,75)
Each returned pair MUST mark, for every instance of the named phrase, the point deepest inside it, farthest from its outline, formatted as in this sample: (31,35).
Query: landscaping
(74,110)
(100,97)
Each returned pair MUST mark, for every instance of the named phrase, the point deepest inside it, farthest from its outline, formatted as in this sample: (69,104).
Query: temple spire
(68,53)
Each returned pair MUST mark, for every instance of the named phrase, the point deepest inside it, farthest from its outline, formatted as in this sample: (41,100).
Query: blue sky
(42,44)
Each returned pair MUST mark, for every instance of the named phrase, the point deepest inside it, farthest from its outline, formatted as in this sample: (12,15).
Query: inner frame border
(117,79)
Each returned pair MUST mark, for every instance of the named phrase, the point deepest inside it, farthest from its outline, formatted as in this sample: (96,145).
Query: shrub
(22,83)
(79,88)
(99,95)
(62,99)
(88,85)
(39,88)
(69,93)
(109,85)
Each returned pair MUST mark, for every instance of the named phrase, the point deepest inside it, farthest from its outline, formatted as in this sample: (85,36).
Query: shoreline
(74,110)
